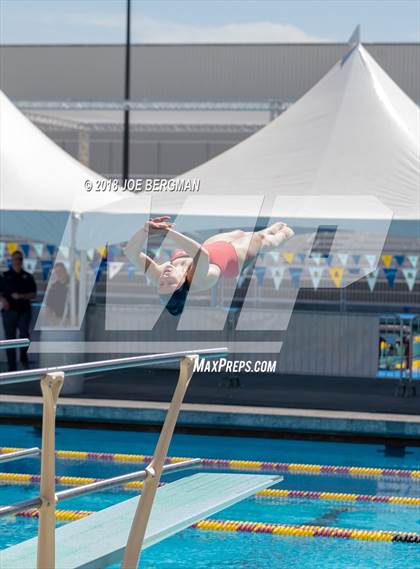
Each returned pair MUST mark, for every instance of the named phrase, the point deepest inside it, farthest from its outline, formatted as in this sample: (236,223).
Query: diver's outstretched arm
(134,253)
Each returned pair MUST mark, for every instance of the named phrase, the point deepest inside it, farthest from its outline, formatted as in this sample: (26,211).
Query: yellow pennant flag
(101,250)
(12,247)
(288,256)
(336,274)
(387,259)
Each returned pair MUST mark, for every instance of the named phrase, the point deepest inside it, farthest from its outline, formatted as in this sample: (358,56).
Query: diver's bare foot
(276,234)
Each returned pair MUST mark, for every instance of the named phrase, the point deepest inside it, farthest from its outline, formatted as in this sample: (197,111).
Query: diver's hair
(175,302)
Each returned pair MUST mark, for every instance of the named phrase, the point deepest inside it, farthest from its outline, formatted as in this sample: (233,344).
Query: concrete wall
(188,72)
(315,343)
(331,344)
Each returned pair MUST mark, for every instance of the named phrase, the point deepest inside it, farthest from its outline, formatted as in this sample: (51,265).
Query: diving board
(97,541)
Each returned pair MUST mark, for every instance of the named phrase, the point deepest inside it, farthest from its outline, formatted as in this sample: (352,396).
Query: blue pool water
(210,550)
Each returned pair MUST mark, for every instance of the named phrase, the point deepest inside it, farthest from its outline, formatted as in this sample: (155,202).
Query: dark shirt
(56,298)
(22,283)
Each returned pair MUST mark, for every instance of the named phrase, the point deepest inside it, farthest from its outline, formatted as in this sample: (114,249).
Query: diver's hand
(158,225)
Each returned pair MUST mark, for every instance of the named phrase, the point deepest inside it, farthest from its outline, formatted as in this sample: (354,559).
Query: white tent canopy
(349,148)
(40,184)
(354,133)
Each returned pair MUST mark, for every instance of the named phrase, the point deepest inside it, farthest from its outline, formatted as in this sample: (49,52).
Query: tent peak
(353,44)
(355,37)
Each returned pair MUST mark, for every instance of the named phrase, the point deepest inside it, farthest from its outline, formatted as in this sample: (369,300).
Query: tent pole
(127,81)
(82,285)
(72,258)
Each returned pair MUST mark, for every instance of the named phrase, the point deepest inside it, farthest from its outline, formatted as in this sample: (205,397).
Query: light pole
(126,139)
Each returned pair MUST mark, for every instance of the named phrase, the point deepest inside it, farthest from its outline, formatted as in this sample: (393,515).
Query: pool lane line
(18,478)
(250,465)
(308,531)
(338,496)
(60,515)
(261,527)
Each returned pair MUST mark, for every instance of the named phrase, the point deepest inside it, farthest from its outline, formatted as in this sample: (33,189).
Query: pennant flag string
(25,249)
(39,249)
(372,278)
(277,274)
(336,274)
(12,247)
(413,260)
(387,260)
(316,275)
(114,268)
(390,275)
(295,273)
(410,277)
(288,256)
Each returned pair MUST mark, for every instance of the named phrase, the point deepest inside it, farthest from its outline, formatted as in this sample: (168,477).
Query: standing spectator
(17,289)
(56,298)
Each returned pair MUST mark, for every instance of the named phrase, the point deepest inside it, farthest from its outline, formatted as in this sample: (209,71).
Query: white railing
(52,380)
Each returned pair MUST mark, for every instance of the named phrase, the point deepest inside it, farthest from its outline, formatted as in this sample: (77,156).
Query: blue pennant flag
(9,263)
(296,273)
(114,251)
(260,274)
(353,271)
(356,259)
(390,275)
(110,253)
(46,268)
(25,249)
(131,270)
(399,259)
(98,274)
(329,260)
(302,257)
(51,249)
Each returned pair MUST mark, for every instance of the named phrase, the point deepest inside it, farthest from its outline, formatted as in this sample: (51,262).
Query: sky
(203,21)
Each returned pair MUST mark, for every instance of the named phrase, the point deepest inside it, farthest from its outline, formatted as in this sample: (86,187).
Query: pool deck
(222,417)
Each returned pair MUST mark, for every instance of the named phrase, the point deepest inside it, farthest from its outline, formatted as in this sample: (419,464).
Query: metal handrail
(52,380)
(95,487)
(18,343)
(19,454)
(107,365)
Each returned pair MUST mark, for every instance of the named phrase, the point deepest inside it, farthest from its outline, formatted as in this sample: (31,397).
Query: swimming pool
(202,549)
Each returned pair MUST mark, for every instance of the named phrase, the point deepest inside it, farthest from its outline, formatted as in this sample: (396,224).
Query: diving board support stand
(154,469)
(51,385)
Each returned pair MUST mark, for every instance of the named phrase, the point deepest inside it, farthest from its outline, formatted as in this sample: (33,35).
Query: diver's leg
(249,245)
(228,237)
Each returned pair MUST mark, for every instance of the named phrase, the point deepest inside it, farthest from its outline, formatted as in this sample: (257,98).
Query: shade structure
(348,149)
(40,184)
(354,133)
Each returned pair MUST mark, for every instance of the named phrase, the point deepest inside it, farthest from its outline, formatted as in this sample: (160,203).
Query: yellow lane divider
(339,496)
(17,478)
(273,529)
(354,471)
(307,531)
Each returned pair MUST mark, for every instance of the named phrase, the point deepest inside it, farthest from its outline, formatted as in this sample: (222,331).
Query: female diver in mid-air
(198,266)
